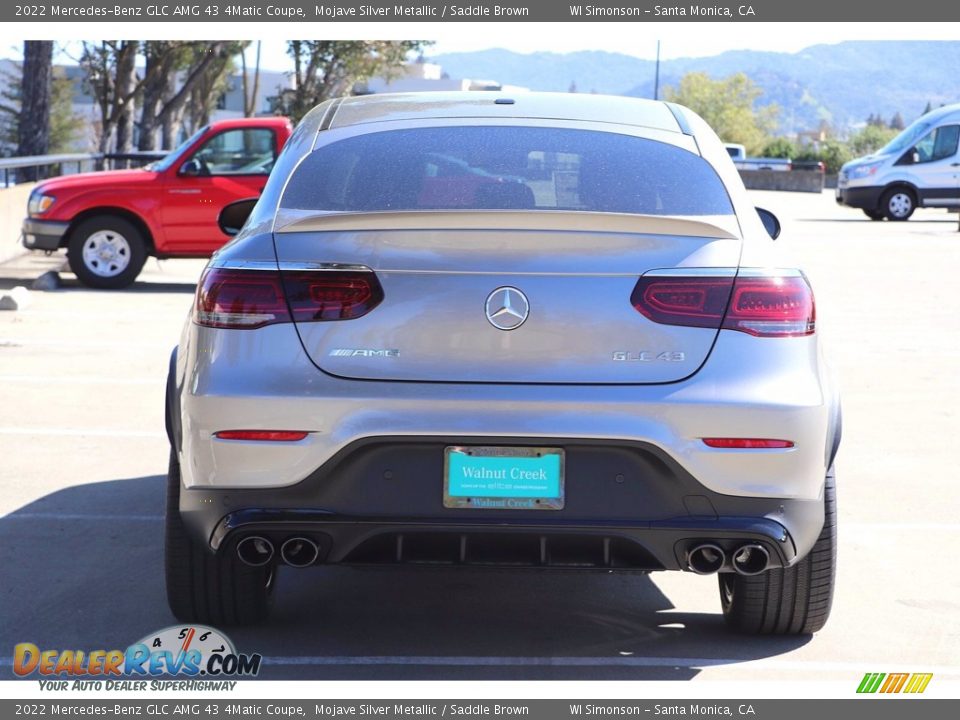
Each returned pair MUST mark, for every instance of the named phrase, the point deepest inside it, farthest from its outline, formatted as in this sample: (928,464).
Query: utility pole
(656,77)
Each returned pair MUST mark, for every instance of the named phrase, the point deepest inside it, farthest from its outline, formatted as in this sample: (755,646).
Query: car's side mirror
(914,156)
(234,215)
(192,168)
(770,222)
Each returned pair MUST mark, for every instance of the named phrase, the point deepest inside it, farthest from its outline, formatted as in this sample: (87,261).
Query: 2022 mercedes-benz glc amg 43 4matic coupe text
(534,331)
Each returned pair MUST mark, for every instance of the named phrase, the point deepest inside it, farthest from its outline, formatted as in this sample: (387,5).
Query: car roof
(485,104)
(942,112)
(265,120)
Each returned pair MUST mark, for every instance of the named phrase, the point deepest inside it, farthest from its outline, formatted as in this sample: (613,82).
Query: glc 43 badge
(648,356)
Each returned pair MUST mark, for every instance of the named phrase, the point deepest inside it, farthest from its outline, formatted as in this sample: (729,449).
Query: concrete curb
(13,207)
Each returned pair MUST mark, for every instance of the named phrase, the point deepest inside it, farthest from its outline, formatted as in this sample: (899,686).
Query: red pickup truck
(109,222)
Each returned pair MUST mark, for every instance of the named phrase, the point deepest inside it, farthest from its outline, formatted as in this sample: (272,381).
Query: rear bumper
(367,482)
(43,234)
(629,506)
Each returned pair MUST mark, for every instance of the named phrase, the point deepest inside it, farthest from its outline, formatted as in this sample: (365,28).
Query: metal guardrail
(66,161)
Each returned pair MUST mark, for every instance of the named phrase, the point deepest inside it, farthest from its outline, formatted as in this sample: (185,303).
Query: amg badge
(364,352)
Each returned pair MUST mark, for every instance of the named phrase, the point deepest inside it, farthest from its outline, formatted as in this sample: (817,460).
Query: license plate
(503,478)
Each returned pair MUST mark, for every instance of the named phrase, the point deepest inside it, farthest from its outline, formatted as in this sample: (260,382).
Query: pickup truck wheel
(207,588)
(106,252)
(874,214)
(788,601)
(898,203)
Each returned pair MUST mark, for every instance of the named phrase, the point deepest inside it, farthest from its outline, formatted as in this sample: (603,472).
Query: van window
(939,144)
(505,168)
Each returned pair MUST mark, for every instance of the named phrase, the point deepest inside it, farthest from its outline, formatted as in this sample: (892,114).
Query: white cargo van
(919,167)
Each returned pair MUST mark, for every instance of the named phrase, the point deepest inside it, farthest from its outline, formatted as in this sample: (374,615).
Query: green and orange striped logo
(894,682)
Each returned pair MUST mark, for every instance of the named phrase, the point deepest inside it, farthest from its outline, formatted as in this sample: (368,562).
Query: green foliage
(728,106)
(832,153)
(65,126)
(870,139)
(325,69)
(779,148)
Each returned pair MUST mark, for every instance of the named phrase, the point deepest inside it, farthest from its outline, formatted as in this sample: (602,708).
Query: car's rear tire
(874,214)
(206,588)
(898,203)
(788,601)
(106,252)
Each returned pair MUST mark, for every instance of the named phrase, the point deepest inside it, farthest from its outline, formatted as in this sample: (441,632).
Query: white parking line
(80,380)
(81,432)
(858,527)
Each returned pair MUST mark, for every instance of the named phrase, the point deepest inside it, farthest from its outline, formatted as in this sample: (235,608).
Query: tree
(329,68)
(780,148)
(209,89)
(64,125)
(832,154)
(896,122)
(928,108)
(164,99)
(728,106)
(250,94)
(870,139)
(110,76)
(34,122)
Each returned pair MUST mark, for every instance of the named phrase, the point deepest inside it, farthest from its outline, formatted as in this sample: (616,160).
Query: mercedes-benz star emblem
(507,308)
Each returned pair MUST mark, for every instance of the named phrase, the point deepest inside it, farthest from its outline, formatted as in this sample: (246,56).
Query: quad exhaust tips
(750,559)
(706,559)
(299,552)
(255,551)
(747,559)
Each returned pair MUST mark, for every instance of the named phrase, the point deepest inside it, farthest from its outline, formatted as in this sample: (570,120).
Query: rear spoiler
(721,227)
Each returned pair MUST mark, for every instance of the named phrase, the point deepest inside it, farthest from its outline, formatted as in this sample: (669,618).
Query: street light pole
(656,77)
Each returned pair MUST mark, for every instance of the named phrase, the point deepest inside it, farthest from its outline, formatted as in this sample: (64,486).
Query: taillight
(755,302)
(746,443)
(236,298)
(262,435)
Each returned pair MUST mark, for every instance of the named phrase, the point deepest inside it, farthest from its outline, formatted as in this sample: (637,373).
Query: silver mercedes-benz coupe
(531,331)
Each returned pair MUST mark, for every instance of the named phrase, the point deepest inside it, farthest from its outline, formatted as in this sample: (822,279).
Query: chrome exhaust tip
(706,559)
(299,552)
(750,559)
(255,551)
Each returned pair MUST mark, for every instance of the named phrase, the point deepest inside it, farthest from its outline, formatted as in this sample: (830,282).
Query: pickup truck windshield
(165,162)
(505,168)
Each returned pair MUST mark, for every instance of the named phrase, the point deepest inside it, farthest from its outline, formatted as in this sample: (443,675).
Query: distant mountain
(842,83)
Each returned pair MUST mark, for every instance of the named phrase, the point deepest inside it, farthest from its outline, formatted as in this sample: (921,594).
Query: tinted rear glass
(505,168)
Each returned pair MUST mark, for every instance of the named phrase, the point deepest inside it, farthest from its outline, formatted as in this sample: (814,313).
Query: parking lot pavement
(82,457)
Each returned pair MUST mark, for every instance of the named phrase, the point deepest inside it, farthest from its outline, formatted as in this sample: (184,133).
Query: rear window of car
(505,168)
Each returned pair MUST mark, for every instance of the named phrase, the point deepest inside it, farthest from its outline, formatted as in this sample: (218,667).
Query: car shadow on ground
(82,569)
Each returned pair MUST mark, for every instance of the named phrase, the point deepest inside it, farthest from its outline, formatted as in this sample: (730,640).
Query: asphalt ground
(83,456)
